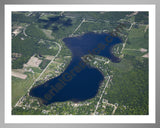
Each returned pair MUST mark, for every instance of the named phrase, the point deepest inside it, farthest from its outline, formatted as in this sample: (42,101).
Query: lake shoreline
(86,83)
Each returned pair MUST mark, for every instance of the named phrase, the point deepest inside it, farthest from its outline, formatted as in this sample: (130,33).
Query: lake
(79,81)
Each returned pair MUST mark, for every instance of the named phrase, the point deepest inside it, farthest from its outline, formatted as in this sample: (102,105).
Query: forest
(130,87)
(28,47)
(22,18)
(142,17)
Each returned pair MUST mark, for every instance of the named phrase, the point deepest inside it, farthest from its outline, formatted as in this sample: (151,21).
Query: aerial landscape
(80,63)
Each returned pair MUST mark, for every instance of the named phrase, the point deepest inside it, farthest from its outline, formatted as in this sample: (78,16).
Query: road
(131,26)
(78,27)
(21,99)
(101,95)
(133,14)
(46,66)
(61,14)
(147,26)
(115,107)
(124,44)
(24,31)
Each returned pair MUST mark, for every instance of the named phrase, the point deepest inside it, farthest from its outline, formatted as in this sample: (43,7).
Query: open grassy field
(138,38)
(20,86)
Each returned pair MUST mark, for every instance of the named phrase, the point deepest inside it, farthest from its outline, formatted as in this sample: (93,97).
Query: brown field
(33,62)
(49,57)
(18,70)
(19,75)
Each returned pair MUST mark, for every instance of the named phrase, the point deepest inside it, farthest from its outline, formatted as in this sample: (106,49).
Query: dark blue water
(79,81)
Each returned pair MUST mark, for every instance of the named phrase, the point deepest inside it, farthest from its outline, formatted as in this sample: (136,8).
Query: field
(19,75)
(138,38)
(21,86)
(33,62)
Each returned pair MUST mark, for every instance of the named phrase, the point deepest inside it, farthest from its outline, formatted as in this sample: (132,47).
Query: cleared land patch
(33,62)
(49,57)
(146,55)
(48,33)
(17,31)
(19,75)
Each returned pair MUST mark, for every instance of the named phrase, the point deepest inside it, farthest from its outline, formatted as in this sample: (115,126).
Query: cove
(79,81)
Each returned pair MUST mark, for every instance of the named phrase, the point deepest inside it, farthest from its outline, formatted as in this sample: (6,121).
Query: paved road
(102,95)
(21,99)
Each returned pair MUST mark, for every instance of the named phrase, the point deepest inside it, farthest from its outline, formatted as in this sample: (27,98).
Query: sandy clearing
(33,62)
(134,13)
(48,33)
(19,75)
(17,31)
(18,70)
(49,57)
(143,50)
(146,55)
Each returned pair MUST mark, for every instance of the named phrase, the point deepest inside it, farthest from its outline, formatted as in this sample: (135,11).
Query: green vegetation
(21,111)
(21,86)
(35,69)
(90,26)
(95,16)
(64,52)
(105,109)
(22,18)
(44,63)
(28,47)
(138,38)
(57,24)
(142,17)
(128,86)
(34,32)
